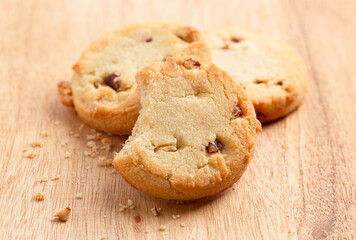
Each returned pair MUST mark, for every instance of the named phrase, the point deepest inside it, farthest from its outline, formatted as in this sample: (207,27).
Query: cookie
(271,72)
(103,87)
(195,134)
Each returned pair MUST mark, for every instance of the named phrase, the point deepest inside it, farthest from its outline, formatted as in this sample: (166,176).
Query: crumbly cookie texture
(272,73)
(195,134)
(103,87)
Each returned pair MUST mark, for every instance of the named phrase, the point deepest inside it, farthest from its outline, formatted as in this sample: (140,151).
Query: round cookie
(103,87)
(195,134)
(271,72)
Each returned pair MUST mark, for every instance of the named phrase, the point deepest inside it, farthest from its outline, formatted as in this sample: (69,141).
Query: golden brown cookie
(195,134)
(271,72)
(103,87)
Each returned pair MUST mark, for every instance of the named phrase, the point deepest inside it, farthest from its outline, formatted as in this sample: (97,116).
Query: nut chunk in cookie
(195,133)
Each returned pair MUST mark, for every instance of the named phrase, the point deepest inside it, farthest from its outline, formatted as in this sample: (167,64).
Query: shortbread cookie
(271,72)
(103,88)
(195,134)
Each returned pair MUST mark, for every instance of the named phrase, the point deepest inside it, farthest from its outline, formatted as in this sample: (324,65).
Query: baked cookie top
(195,133)
(271,72)
(103,86)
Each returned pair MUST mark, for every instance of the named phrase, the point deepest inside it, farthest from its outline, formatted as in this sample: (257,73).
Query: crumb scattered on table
(130,204)
(154,212)
(63,215)
(175,216)
(79,196)
(162,228)
(31,155)
(45,134)
(36,144)
(55,178)
(39,196)
(103,162)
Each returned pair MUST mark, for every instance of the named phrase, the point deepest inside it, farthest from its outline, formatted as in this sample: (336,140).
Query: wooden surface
(301,183)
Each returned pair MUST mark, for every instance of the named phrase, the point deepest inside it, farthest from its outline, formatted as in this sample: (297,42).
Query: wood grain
(301,183)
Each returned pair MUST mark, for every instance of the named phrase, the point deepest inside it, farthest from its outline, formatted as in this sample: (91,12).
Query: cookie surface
(195,134)
(271,72)
(103,87)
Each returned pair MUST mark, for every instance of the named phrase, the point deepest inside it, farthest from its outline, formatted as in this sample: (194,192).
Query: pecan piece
(148,39)
(259,81)
(214,147)
(237,110)
(191,63)
(110,81)
(280,83)
(235,39)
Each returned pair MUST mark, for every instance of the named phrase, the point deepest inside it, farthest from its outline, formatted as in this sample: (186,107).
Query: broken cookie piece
(165,155)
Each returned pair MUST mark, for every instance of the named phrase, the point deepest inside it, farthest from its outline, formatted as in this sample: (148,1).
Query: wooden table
(301,183)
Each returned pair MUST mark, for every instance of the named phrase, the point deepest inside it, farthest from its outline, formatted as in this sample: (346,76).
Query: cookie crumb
(90,137)
(106,141)
(55,178)
(121,209)
(25,150)
(56,123)
(155,211)
(91,144)
(113,171)
(76,135)
(36,144)
(79,196)
(40,196)
(97,136)
(146,232)
(86,153)
(162,228)
(45,134)
(103,162)
(175,216)
(31,155)
(44,178)
(64,143)
(67,155)
(63,215)
(182,224)
(130,204)
(81,127)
